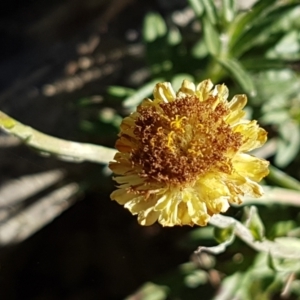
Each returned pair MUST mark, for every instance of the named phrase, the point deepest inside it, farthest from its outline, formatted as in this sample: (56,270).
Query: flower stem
(215,72)
(49,145)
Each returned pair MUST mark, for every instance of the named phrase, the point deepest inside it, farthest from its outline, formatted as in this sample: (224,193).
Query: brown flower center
(184,139)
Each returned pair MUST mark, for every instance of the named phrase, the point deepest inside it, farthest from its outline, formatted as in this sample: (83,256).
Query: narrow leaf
(211,37)
(228,10)
(120,91)
(240,75)
(154,27)
(210,11)
(140,94)
(288,144)
(276,249)
(197,6)
(223,234)
(254,223)
(228,287)
(245,20)
(260,32)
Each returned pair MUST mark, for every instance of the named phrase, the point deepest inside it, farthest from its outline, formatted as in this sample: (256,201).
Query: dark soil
(96,249)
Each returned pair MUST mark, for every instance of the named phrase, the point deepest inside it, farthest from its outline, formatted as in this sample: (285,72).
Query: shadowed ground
(55,53)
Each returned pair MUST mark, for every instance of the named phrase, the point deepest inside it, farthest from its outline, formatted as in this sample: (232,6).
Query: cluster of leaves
(256,52)
(240,272)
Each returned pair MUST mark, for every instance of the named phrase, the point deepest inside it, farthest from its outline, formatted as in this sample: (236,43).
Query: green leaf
(198,277)
(210,11)
(223,234)
(239,74)
(245,234)
(254,223)
(271,262)
(150,291)
(291,20)
(154,27)
(282,228)
(286,265)
(287,48)
(294,243)
(197,6)
(174,36)
(262,63)
(276,88)
(288,144)
(201,234)
(245,20)
(260,32)
(211,37)
(120,91)
(141,94)
(229,286)
(88,101)
(275,117)
(200,50)
(228,10)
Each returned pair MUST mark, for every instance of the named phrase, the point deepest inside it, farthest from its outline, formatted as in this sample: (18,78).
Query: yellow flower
(181,157)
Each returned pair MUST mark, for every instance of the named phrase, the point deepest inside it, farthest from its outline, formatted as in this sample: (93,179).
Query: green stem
(63,149)
(282,179)
(215,71)
(275,248)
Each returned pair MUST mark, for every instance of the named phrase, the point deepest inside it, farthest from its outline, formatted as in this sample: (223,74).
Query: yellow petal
(187,88)
(120,168)
(147,218)
(123,144)
(164,92)
(122,196)
(238,102)
(235,117)
(198,211)
(250,166)
(127,126)
(218,205)
(203,89)
(133,179)
(221,91)
(253,135)
(252,189)
(162,202)
(183,215)
(168,216)
(139,204)
(236,105)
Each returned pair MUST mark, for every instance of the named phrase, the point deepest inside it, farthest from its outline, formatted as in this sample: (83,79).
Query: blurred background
(73,69)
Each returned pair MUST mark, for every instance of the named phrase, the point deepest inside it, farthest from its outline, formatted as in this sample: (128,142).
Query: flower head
(182,156)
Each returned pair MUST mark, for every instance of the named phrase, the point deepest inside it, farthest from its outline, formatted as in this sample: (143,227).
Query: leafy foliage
(256,52)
